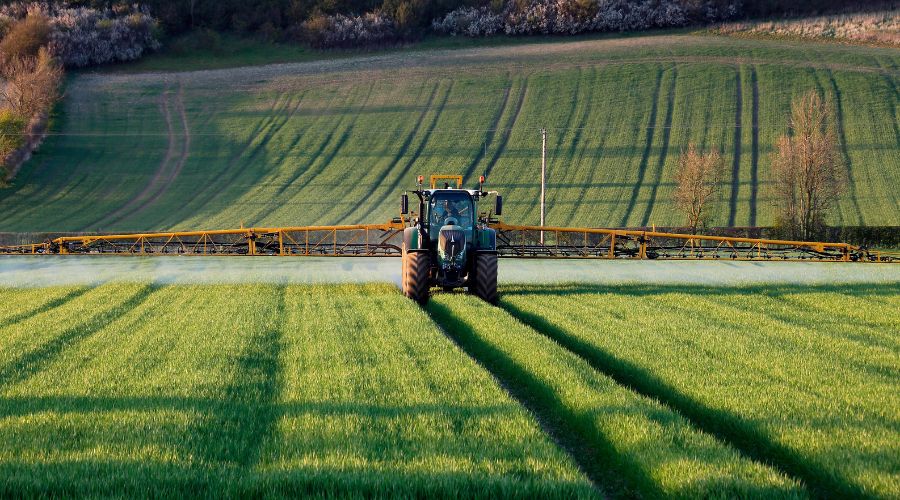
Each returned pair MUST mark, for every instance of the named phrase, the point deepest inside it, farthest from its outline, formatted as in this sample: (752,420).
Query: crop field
(329,142)
(778,371)
(562,391)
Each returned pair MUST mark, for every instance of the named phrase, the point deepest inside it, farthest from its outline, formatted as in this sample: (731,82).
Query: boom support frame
(371,240)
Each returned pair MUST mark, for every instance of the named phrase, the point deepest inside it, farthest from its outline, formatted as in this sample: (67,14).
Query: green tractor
(448,243)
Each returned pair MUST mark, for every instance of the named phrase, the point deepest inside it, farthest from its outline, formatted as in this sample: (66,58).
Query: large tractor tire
(415,276)
(486,277)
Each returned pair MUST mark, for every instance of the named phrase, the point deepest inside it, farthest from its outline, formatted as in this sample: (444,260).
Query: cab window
(451,208)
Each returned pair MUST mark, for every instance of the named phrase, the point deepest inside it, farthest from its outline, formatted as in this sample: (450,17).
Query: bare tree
(807,168)
(31,84)
(697,179)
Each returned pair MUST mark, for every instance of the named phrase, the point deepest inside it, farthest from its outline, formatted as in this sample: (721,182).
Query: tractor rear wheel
(415,276)
(486,277)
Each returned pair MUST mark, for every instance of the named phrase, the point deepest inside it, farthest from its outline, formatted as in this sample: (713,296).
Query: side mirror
(404,204)
(498,205)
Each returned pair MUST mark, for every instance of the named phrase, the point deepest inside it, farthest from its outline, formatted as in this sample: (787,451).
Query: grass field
(779,372)
(265,389)
(353,390)
(336,141)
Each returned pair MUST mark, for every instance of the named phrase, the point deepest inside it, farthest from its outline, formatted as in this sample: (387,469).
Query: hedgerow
(373,28)
(569,17)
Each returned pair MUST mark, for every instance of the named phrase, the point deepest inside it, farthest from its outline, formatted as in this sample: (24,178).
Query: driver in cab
(447,210)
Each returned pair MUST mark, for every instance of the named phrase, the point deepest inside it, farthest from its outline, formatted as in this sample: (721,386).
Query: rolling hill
(336,141)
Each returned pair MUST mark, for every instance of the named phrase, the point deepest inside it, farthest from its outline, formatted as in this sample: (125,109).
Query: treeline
(377,20)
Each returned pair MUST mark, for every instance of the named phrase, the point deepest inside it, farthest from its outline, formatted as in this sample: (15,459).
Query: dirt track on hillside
(475,61)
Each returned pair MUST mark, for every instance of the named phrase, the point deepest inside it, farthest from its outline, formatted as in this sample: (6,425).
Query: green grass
(800,377)
(335,141)
(257,389)
(635,445)
(195,51)
(353,390)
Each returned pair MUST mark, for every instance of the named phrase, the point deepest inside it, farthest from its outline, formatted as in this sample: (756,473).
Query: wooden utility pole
(543,175)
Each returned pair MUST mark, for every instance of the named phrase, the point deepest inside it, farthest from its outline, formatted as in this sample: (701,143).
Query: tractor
(448,242)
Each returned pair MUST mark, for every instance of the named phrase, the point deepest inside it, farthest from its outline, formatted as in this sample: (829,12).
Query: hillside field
(650,390)
(331,142)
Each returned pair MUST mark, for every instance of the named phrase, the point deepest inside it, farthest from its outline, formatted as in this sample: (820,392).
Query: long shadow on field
(649,290)
(140,479)
(236,426)
(32,362)
(728,427)
(593,453)
(234,475)
(74,294)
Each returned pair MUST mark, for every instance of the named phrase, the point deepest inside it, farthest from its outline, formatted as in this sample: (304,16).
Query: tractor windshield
(451,208)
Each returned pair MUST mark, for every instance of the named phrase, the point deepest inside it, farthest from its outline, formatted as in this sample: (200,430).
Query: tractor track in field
(845,152)
(275,124)
(45,307)
(248,412)
(722,424)
(267,207)
(569,117)
(551,423)
(298,172)
(664,150)
(892,85)
(32,362)
(507,131)
(338,146)
(398,155)
(207,192)
(754,147)
(738,139)
(401,176)
(584,119)
(648,146)
(490,133)
(169,168)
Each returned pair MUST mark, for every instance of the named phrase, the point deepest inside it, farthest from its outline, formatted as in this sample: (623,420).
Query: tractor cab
(447,238)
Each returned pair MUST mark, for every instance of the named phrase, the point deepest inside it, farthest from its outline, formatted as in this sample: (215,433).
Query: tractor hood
(452,246)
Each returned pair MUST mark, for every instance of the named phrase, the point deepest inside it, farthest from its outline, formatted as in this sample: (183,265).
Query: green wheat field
(334,142)
(562,391)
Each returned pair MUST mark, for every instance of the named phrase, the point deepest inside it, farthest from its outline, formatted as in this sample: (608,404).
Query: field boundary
(725,426)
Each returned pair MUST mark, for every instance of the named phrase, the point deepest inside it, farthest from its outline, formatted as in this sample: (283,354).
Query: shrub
(12,127)
(374,28)
(12,137)
(80,36)
(83,37)
(469,21)
(26,37)
(32,84)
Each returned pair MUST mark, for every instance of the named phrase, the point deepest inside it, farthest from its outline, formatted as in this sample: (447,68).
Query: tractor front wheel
(415,276)
(486,277)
